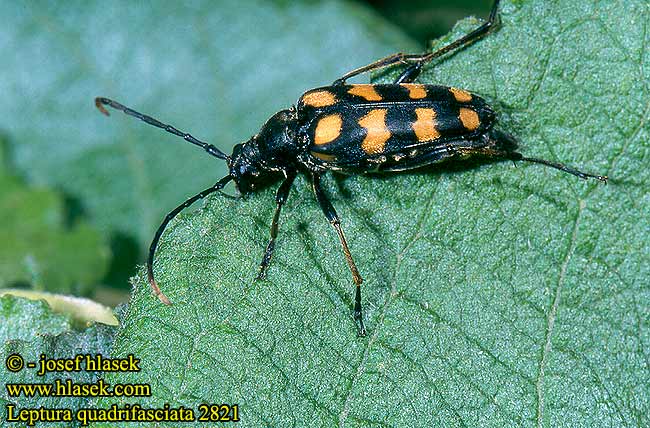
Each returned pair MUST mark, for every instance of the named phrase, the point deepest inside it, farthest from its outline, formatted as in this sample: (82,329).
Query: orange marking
(328,129)
(366,92)
(416,91)
(425,125)
(323,156)
(319,99)
(469,118)
(461,95)
(377,132)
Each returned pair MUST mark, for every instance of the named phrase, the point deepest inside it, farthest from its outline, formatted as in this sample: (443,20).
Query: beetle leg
(561,167)
(516,156)
(410,73)
(416,61)
(413,71)
(380,63)
(333,218)
(280,199)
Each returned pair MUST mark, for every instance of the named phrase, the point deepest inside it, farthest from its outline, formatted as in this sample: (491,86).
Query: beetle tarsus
(266,259)
(358,314)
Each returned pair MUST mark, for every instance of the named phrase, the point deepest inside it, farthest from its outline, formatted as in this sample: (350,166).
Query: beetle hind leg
(503,145)
(417,61)
(413,71)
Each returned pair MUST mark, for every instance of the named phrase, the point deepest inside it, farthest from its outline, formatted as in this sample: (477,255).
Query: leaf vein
(550,322)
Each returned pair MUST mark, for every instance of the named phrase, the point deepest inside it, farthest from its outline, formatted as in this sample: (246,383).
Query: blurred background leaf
(37,247)
(424,20)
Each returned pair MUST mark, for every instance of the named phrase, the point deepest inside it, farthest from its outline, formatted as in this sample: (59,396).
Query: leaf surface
(494,295)
(38,247)
(30,329)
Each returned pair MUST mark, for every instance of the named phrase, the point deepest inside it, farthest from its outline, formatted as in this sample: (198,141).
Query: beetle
(357,129)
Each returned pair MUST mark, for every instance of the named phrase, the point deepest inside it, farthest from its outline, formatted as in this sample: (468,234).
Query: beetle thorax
(276,140)
(272,150)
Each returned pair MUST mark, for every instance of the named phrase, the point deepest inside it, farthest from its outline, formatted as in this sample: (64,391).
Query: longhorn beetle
(357,129)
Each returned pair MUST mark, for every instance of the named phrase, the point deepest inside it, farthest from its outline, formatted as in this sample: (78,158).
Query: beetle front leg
(333,218)
(280,199)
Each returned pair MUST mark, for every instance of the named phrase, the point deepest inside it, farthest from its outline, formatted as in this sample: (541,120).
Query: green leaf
(30,329)
(494,295)
(215,69)
(37,247)
(22,319)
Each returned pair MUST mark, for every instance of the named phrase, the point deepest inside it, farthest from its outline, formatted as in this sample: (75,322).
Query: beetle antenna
(152,249)
(100,102)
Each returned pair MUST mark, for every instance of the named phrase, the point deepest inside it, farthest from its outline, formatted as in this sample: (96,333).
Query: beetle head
(244,166)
